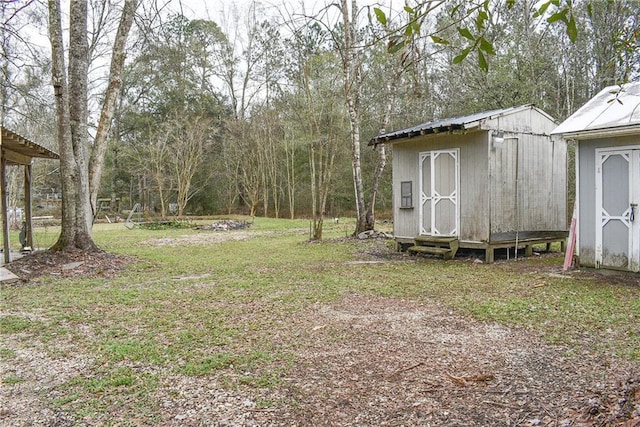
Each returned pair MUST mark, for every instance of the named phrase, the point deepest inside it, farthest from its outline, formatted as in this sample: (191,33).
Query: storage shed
(484,181)
(607,132)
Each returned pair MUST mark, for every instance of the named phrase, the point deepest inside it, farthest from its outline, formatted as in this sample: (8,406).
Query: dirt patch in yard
(373,361)
(404,363)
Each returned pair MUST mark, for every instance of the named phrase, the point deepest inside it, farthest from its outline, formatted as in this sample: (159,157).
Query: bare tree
(242,159)
(96,161)
(322,115)
(226,183)
(190,140)
(351,48)
(153,159)
(290,149)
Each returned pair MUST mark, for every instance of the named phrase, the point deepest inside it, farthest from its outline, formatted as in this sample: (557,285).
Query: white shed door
(439,183)
(617,214)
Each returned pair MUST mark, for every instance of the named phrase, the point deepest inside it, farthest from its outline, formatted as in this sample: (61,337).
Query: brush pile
(225,225)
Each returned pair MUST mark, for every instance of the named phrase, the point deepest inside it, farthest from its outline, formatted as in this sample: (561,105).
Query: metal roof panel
(612,108)
(444,125)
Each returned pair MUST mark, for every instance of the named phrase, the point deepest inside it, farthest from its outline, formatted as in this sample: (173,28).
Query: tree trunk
(326,174)
(96,163)
(61,92)
(161,196)
(321,183)
(72,115)
(72,125)
(370,223)
(291,177)
(370,218)
(352,80)
(356,167)
(317,218)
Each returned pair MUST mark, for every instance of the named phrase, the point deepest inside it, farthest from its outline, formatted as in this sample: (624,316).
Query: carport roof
(16,143)
(615,109)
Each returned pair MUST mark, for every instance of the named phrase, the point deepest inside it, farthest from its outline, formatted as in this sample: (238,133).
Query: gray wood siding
(473,197)
(474,183)
(527,120)
(405,168)
(502,179)
(535,199)
(586,192)
(542,184)
(541,181)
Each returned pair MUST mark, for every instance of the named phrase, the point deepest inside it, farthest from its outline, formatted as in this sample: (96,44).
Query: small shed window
(406,194)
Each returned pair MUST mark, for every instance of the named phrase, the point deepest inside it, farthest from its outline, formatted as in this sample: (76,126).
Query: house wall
(586,192)
(473,195)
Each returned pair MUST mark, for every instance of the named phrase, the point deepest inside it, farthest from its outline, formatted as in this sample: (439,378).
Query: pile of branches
(225,225)
(374,234)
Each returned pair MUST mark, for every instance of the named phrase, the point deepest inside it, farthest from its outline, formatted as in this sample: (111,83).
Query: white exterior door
(439,182)
(617,210)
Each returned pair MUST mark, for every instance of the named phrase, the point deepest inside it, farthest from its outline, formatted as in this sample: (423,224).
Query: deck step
(446,253)
(445,246)
(434,239)
(429,250)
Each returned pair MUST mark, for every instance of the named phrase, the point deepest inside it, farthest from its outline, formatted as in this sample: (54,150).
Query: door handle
(632,216)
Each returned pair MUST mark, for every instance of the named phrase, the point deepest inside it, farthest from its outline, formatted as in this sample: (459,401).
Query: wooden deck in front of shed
(526,240)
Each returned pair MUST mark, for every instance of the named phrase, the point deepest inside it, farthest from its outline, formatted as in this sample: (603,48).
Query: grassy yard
(230,308)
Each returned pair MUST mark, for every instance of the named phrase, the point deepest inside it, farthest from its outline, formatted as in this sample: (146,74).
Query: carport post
(5,210)
(27,206)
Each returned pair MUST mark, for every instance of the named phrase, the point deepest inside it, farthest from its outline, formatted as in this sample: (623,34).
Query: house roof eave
(628,130)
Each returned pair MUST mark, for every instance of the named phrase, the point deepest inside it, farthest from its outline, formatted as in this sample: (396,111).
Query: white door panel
(439,183)
(617,216)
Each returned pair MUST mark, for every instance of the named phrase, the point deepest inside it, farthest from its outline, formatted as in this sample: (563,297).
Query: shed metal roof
(613,109)
(12,141)
(445,125)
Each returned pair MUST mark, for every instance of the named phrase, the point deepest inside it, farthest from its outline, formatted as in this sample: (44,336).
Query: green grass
(7,354)
(11,324)
(214,308)
(12,380)
(208,364)
(110,389)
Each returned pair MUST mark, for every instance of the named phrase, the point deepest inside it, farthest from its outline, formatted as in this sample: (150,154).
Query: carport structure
(18,150)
